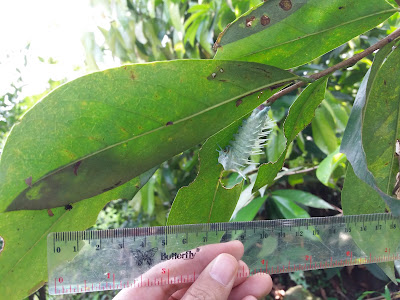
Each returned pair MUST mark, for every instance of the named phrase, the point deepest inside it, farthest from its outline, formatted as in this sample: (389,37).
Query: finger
(258,285)
(249,298)
(216,281)
(178,267)
(241,277)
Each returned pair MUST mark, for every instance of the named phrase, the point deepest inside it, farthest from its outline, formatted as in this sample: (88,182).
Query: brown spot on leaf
(137,186)
(384,82)
(285,4)
(50,213)
(124,67)
(341,7)
(265,20)
(238,102)
(169,123)
(76,166)
(28,181)
(132,76)
(249,21)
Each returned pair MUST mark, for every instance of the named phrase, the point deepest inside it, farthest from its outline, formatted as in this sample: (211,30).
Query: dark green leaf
(369,143)
(369,140)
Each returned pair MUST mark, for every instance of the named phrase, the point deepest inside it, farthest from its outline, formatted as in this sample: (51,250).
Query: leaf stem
(344,64)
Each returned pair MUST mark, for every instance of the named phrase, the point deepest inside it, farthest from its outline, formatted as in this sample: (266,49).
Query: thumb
(216,280)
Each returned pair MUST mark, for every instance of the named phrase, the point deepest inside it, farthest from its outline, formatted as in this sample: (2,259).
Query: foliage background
(140,31)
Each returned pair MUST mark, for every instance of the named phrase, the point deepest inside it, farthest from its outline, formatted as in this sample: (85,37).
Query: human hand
(219,280)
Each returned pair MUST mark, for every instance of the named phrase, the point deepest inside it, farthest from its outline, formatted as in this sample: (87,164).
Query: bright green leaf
(323,130)
(289,33)
(329,165)
(99,131)
(300,115)
(205,200)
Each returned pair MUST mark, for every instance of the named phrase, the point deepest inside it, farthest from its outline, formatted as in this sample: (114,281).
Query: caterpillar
(249,140)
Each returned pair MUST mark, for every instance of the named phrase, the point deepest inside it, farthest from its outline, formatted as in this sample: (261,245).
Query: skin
(217,265)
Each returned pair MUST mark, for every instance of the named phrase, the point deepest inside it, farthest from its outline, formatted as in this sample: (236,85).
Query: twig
(346,63)
(301,171)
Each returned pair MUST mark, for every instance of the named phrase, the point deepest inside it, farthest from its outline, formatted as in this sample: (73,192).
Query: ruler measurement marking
(332,226)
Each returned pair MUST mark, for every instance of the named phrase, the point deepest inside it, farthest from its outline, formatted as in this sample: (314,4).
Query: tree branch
(344,64)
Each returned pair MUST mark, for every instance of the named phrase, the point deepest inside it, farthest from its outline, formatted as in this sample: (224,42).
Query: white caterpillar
(249,140)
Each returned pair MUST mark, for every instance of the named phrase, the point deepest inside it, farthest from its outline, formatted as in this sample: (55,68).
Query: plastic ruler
(88,261)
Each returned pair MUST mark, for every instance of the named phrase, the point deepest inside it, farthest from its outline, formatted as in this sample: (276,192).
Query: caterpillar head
(223,158)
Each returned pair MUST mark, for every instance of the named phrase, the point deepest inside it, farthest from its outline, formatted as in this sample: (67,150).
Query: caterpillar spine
(250,140)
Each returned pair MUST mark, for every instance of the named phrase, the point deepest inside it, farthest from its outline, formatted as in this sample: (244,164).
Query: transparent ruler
(88,261)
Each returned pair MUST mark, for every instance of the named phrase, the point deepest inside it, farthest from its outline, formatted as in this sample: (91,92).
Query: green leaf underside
(369,143)
(299,30)
(299,116)
(24,260)
(91,135)
(205,200)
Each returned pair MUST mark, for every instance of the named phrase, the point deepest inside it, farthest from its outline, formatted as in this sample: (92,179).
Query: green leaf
(206,200)
(302,197)
(323,130)
(329,165)
(300,115)
(248,212)
(369,143)
(296,32)
(276,144)
(372,136)
(23,262)
(101,130)
(288,208)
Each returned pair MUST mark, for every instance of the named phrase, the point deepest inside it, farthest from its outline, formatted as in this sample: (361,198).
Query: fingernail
(224,269)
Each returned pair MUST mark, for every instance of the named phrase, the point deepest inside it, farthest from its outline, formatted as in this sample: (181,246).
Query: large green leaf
(369,143)
(300,115)
(289,33)
(101,130)
(370,136)
(206,200)
(23,262)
